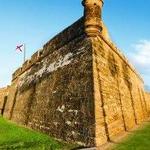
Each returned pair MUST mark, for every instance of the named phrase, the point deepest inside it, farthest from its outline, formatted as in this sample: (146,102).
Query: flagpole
(24,53)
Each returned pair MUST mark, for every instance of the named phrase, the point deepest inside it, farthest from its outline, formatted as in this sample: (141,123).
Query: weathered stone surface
(120,101)
(79,87)
(92,13)
(55,96)
(147,99)
(3,99)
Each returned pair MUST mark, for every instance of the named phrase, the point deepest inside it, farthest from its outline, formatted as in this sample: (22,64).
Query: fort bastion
(80,87)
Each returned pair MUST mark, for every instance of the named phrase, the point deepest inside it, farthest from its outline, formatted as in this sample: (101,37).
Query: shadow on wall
(3,99)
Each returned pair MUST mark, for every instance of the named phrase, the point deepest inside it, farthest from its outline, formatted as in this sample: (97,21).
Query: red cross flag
(21,48)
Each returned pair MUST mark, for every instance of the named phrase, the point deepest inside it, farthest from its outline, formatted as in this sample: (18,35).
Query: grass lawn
(13,137)
(138,140)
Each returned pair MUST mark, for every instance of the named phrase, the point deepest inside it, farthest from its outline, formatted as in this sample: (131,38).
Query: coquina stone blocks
(3,99)
(79,88)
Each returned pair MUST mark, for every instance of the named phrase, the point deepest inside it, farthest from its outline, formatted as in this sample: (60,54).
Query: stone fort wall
(3,99)
(120,100)
(78,88)
(147,101)
(53,92)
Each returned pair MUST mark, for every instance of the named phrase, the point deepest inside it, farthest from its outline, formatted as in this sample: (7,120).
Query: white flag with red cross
(21,48)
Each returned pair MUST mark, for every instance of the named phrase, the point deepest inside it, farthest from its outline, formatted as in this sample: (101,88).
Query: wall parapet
(121,55)
(63,38)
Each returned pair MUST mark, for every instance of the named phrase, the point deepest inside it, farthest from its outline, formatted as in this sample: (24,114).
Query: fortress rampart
(79,87)
(57,42)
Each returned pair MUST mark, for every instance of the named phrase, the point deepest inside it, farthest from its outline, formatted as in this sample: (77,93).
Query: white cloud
(141,53)
(140,57)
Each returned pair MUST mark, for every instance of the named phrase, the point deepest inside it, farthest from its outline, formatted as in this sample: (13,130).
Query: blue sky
(34,22)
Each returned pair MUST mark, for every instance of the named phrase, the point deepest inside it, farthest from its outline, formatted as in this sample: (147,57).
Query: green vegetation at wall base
(13,137)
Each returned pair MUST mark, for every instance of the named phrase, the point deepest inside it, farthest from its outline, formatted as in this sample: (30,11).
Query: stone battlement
(63,38)
(121,55)
(70,33)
